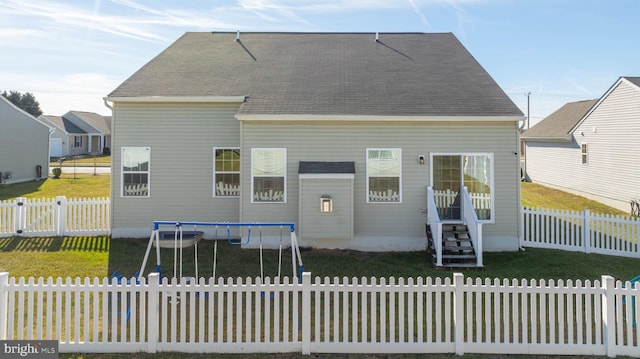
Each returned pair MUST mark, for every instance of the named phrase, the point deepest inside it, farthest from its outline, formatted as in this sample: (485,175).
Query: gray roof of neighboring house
(98,122)
(402,74)
(634,80)
(559,124)
(63,124)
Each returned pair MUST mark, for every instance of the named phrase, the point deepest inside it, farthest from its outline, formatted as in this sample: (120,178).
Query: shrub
(56,172)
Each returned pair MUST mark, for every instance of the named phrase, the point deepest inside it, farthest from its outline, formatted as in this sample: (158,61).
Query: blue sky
(70,54)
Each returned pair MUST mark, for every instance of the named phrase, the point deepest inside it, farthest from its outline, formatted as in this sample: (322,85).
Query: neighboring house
(79,133)
(591,148)
(340,133)
(24,145)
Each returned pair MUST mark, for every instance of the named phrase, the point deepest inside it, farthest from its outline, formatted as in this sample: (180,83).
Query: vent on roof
(377,37)
(238,35)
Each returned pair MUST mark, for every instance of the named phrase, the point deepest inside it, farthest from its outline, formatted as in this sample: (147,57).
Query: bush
(56,172)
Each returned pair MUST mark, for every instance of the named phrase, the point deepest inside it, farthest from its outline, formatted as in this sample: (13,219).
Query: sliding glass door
(449,172)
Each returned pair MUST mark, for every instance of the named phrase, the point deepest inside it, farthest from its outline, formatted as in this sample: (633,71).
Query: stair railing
(434,222)
(474,226)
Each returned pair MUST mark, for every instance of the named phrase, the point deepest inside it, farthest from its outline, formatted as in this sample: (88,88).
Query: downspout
(106,103)
(523,176)
(113,122)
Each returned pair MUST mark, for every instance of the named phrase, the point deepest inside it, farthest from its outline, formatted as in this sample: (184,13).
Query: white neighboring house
(24,145)
(591,148)
(79,133)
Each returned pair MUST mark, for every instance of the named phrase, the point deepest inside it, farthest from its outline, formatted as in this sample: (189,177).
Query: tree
(26,102)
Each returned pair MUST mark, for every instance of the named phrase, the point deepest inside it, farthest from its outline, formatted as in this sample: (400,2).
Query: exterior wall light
(326,204)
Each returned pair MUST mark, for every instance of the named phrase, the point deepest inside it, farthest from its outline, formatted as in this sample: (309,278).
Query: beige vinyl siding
(336,225)
(612,133)
(24,144)
(181,138)
(390,226)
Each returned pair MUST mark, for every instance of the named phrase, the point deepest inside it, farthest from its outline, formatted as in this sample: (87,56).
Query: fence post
(61,215)
(522,227)
(306,313)
(586,230)
(4,303)
(153,286)
(458,312)
(19,218)
(608,315)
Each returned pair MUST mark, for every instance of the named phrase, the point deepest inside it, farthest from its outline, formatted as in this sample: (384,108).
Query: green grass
(535,195)
(101,256)
(55,256)
(84,185)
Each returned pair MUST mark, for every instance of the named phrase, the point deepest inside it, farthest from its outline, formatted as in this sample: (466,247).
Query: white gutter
(177,99)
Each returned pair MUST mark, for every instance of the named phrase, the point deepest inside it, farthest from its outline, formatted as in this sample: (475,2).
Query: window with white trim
(384,175)
(584,149)
(226,172)
(269,175)
(135,171)
(77,141)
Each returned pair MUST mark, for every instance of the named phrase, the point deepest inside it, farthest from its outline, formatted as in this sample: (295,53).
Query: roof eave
(567,138)
(376,118)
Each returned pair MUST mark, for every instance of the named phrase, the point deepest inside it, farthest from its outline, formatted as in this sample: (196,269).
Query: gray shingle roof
(97,121)
(634,80)
(559,124)
(64,124)
(404,74)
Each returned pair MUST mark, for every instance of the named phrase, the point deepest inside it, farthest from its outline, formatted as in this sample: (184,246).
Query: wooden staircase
(457,248)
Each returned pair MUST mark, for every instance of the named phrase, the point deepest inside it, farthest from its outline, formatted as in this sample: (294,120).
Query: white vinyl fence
(55,217)
(324,315)
(580,231)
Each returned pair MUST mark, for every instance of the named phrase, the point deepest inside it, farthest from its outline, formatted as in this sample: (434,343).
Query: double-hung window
(226,173)
(135,171)
(584,148)
(269,175)
(384,175)
(77,141)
